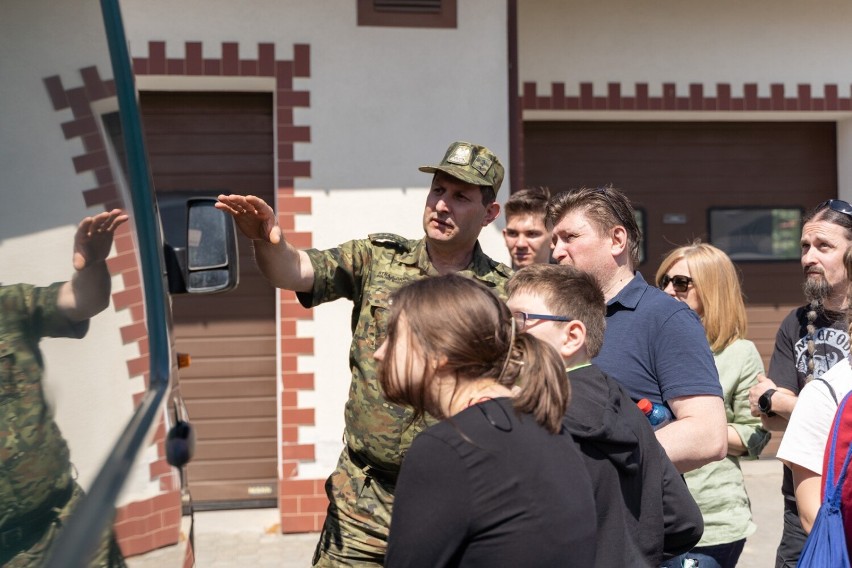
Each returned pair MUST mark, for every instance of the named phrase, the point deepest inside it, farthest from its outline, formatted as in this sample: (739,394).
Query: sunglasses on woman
(679,282)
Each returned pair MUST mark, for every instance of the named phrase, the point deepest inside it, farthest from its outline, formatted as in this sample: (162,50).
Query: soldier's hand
(93,239)
(254,217)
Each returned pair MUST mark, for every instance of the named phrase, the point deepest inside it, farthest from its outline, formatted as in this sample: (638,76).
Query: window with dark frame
(408,13)
(753,234)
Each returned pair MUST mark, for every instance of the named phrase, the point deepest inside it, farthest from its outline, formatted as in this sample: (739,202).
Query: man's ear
(573,339)
(492,210)
(618,238)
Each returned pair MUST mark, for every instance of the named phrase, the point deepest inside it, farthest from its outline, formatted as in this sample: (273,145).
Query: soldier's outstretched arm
(280,262)
(87,293)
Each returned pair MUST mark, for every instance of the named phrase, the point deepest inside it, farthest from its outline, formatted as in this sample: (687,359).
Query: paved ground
(250,538)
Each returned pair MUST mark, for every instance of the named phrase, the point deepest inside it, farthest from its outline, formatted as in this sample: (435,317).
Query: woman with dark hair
(703,277)
(498,482)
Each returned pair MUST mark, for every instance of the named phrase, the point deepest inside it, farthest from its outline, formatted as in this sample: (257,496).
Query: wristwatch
(764,403)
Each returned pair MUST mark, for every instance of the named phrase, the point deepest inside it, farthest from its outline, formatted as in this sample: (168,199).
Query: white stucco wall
(761,41)
(86,380)
(381,98)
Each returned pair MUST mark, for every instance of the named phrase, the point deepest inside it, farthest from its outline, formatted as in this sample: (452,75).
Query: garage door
(675,172)
(223,143)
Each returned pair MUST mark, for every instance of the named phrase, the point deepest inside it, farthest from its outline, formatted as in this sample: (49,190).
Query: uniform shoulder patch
(503,269)
(390,239)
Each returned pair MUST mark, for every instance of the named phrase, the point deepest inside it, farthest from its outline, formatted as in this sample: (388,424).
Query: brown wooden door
(680,170)
(223,143)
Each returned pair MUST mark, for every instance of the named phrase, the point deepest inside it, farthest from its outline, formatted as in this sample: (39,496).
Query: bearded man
(810,340)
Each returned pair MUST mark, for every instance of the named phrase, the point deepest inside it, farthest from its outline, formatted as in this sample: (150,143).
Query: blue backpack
(826,545)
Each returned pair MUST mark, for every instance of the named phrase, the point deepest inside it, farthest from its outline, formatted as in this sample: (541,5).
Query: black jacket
(645,511)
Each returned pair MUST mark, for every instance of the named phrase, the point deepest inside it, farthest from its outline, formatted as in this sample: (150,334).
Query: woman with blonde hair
(497,482)
(704,278)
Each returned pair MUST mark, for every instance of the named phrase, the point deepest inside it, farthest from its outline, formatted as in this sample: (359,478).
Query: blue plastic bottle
(658,414)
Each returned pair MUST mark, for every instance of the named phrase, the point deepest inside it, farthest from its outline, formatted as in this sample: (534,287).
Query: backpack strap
(831,486)
(830,389)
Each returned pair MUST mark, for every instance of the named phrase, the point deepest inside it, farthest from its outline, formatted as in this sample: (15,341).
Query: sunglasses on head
(679,282)
(836,205)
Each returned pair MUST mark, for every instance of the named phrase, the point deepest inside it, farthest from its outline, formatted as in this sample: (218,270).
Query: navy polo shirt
(655,346)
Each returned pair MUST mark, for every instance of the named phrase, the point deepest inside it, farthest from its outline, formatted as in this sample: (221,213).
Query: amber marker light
(184,360)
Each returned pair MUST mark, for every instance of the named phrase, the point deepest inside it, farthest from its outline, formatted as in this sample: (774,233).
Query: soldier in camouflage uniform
(37,491)
(461,202)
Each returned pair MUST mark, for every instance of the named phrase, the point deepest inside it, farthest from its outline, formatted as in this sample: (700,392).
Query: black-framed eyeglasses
(679,282)
(521,319)
(836,205)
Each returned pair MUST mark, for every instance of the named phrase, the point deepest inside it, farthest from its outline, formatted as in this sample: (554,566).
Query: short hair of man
(825,212)
(488,195)
(717,284)
(529,201)
(606,207)
(566,291)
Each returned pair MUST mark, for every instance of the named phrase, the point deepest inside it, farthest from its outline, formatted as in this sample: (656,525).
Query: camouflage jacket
(368,271)
(33,455)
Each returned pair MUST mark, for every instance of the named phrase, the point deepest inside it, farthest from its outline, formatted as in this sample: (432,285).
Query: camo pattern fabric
(356,527)
(34,460)
(108,554)
(368,271)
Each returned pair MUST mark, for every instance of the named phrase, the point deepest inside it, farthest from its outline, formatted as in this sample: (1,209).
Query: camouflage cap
(470,163)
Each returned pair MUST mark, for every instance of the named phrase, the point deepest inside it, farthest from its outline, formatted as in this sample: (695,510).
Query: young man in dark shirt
(645,511)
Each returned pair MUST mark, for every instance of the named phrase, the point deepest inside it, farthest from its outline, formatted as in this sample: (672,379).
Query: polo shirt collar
(630,295)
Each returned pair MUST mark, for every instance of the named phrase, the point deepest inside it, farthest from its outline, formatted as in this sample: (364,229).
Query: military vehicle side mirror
(200,245)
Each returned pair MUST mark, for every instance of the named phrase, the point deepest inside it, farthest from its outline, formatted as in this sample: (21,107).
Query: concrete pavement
(251,537)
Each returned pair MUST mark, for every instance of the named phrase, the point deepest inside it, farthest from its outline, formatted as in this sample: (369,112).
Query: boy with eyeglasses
(810,340)
(654,346)
(645,511)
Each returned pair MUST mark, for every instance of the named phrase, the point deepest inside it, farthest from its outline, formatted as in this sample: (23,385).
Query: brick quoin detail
(296,514)
(693,99)
(160,524)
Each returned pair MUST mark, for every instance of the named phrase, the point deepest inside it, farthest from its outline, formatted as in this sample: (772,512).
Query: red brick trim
(136,538)
(231,65)
(146,525)
(296,516)
(162,519)
(303,505)
(691,98)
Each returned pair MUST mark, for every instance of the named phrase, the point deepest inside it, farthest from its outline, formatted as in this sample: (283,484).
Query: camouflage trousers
(108,554)
(358,520)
